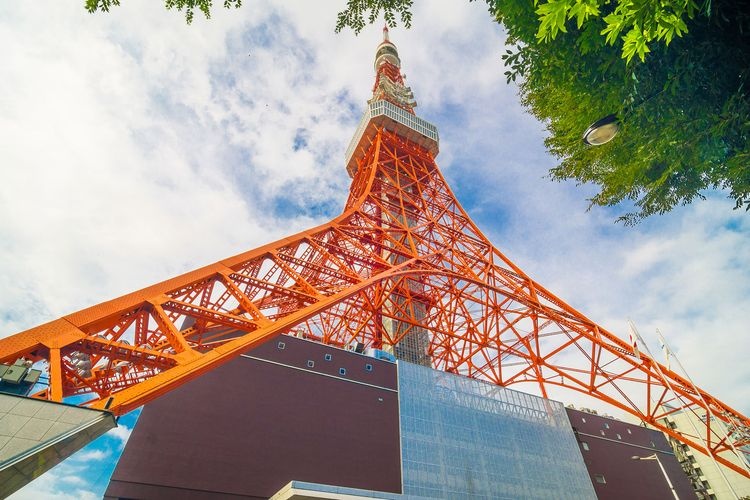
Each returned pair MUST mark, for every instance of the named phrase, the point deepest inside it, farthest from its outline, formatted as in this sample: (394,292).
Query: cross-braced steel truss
(403,268)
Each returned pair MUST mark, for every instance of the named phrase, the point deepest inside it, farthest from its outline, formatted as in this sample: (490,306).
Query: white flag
(664,347)
(633,339)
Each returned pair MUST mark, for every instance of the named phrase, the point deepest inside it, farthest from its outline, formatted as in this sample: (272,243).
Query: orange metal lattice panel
(403,253)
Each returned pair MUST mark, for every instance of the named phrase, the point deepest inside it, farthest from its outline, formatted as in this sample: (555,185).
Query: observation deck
(383,114)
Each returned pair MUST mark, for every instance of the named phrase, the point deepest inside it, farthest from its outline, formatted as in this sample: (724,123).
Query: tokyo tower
(403,269)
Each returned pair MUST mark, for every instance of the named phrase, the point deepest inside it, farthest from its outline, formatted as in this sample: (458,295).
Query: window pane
(463,438)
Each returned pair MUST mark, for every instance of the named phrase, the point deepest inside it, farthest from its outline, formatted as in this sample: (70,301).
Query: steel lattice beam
(402,268)
(402,245)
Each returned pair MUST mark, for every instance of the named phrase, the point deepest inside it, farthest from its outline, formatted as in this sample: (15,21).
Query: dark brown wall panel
(611,445)
(250,426)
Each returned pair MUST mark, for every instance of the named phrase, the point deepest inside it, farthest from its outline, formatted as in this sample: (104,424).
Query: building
(618,457)
(329,418)
(709,479)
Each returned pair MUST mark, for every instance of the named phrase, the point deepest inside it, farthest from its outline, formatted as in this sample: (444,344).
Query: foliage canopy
(674,71)
(188,6)
(684,108)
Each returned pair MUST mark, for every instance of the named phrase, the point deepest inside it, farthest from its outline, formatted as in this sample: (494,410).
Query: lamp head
(602,131)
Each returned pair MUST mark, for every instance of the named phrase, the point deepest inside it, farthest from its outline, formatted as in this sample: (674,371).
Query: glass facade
(463,438)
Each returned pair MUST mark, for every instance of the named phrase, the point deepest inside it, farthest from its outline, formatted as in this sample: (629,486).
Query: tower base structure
(339,424)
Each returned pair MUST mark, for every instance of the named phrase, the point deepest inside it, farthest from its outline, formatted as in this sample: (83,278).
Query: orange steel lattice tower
(402,269)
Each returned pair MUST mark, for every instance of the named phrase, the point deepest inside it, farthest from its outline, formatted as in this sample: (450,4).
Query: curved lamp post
(655,457)
(605,129)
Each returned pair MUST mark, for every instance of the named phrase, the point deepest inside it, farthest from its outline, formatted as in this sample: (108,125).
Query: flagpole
(692,423)
(740,456)
(633,335)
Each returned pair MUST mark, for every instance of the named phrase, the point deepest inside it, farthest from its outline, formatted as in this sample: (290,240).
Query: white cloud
(73,481)
(120,433)
(93,454)
(63,482)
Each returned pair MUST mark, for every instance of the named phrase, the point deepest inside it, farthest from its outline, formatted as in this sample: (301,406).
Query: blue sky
(135,148)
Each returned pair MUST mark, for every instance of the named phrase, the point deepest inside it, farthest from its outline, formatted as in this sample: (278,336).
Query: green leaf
(615,24)
(582,10)
(552,16)
(634,42)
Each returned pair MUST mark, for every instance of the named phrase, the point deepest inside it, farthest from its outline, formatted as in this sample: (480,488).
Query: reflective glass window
(462,438)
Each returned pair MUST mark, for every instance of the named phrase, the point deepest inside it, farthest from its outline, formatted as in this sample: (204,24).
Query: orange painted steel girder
(402,243)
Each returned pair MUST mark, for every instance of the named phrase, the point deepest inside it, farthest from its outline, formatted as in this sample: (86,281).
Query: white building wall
(705,468)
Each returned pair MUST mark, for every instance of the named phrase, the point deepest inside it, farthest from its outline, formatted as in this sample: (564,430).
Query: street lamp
(605,129)
(602,131)
(655,457)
